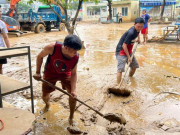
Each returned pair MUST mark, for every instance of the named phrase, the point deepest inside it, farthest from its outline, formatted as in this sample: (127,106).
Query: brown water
(159,71)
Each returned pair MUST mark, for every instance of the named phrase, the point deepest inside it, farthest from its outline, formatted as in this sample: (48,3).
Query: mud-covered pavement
(148,110)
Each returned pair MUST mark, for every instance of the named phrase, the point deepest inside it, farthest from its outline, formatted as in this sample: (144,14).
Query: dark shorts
(3,61)
(65,82)
(122,60)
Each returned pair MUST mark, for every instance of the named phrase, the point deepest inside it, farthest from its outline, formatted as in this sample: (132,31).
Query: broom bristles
(120,92)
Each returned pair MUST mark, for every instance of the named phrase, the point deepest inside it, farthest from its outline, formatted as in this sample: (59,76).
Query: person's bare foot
(71,122)
(46,108)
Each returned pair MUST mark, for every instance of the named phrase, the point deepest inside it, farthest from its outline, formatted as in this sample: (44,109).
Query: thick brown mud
(144,112)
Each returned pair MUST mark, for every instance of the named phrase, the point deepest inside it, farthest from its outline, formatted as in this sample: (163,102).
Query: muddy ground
(147,111)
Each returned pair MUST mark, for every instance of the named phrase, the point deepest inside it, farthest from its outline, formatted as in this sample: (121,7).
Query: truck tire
(61,26)
(39,28)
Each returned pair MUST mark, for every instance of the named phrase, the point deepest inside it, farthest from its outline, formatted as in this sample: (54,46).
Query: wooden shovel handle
(63,91)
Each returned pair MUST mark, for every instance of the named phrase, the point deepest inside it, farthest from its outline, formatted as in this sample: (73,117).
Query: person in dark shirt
(124,49)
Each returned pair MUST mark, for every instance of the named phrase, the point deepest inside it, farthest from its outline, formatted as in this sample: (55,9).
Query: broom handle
(63,91)
(134,50)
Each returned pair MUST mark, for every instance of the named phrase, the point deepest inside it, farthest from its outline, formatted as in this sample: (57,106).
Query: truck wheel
(39,28)
(62,26)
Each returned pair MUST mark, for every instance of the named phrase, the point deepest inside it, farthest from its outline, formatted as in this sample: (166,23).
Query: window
(93,10)
(114,11)
(124,11)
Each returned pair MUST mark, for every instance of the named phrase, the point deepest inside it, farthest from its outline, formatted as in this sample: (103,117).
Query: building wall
(133,9)
(119,9)
(87,17)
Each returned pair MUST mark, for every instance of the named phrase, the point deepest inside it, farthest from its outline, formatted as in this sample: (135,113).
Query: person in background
(117,16)
(4,41)
(144,31)
(120,18)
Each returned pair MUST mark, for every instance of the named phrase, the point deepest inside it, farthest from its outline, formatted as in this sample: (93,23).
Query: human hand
(73,93)
(129,60)
(37,76)
(139,41)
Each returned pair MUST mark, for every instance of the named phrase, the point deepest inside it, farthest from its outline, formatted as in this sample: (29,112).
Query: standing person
(117,16)
(124,49)
(144,31)
(3,40)
(61,65)
(120,18)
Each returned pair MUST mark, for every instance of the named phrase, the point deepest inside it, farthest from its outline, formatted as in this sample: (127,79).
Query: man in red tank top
(61,65)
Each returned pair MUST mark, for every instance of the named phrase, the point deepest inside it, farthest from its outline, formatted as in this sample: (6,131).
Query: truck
(43,19)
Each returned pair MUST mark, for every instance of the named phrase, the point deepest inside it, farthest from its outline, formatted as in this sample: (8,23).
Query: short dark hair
(0,6)
(73,41)
(144,10)
(139,20)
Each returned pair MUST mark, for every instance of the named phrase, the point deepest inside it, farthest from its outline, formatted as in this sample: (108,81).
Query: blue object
(156,2)
(43,14)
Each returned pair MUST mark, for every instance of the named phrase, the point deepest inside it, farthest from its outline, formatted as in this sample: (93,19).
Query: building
(128,8)
(154,7)
(92,11)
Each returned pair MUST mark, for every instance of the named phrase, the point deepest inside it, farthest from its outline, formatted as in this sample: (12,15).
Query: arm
(73,81)
(46,51)
(138,40)
(127,41)
(6,40)
(126,50)
(149,20)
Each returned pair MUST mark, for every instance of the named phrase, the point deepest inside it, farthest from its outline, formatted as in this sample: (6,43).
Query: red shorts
(65,82)
(144,31)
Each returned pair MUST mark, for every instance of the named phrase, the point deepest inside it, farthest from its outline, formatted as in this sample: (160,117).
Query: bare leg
(146,38)
(132,71)
(46,97)
(1,72)
(72,105)
(119,75)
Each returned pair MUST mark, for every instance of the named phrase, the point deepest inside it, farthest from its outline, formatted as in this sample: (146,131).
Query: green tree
(65,5)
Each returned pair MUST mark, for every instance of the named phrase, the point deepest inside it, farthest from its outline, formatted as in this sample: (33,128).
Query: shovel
(110,116)
(123,91)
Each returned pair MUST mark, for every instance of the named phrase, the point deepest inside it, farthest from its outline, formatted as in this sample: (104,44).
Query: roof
(156,2)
